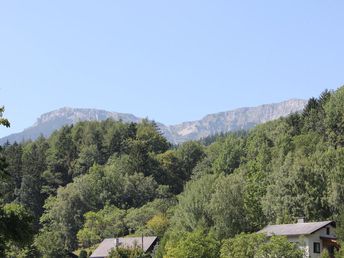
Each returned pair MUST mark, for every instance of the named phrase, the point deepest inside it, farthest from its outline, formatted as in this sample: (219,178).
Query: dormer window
(327,231)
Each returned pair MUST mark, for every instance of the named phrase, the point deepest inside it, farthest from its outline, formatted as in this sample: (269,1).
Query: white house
(313,237)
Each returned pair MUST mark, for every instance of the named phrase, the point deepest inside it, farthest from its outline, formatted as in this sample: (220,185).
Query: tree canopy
(94,180)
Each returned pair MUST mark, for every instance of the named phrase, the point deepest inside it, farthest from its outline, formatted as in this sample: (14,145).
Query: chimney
(301,220)
(142,241)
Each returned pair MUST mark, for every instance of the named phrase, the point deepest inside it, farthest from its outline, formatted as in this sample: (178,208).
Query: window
(327,231)
(316,247)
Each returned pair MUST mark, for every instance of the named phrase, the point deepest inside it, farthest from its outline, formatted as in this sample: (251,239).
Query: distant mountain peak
(237,119)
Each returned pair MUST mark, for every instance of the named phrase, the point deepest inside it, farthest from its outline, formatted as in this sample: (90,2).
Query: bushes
(259,246)
(121,252)
(195,244)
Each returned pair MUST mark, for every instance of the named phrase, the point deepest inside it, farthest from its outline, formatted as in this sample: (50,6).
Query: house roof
(295,229)
(105,247)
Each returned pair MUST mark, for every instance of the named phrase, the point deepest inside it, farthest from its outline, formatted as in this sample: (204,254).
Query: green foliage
(150,219)
(227,206)
(193,207)
(196,244)
(140,160)
(15,227)
(297,189)
(60,157)
(3,121)
(279,246)
(339,253)
(16,223)
(340,226)
(63,214)
(99,179)
(259,246)
(121,252)
(189,154)
(11,171)
(108,222)
(243,245)
(325,254)
(20,252)
(279,171)
(83,254)
(51,242)
(334,119)
(88,156)
(33,163)
(158,224)
(136,219)
(314,114)
(176,166)
(230,155)
(170,171)
(149,133)
(334,159)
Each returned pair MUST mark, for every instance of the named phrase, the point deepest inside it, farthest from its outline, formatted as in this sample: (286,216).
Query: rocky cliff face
(242,118)
(238,119)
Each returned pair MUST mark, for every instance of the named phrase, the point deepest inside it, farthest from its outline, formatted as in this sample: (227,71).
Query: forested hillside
(105,179)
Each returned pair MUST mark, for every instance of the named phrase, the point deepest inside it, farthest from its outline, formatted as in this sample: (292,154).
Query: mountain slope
(51,121)
(242,118)
(238,119)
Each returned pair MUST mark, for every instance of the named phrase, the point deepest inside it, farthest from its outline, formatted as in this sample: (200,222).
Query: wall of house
(315,237)
(306,242)
(302,242)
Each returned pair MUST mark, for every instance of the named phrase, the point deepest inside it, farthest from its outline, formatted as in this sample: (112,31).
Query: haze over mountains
(238,119)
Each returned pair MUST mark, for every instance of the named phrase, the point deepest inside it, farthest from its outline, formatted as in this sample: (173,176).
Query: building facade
(312,237)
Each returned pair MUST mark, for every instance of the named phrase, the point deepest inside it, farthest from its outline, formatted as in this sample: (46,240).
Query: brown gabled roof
(295,229)
(105,247)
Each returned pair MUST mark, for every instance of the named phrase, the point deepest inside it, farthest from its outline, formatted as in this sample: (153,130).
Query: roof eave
(330,222)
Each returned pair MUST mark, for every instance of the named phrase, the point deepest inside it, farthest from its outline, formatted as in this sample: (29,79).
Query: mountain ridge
(237,119)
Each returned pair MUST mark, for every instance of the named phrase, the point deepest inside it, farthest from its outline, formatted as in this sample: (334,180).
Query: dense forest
(203,199)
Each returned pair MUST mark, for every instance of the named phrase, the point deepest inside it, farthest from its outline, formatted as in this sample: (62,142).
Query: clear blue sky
(167,60)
